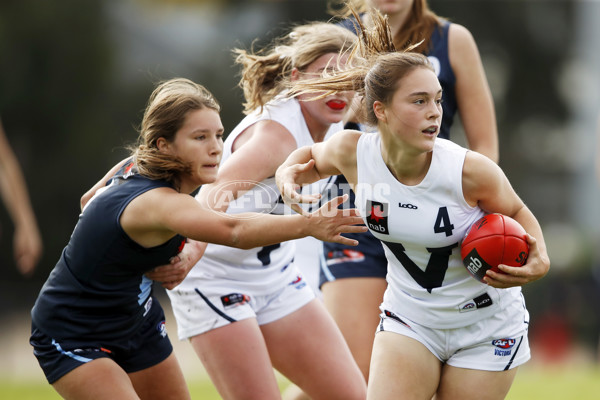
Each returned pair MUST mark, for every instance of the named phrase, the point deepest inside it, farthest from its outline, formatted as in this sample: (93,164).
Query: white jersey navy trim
(421,227)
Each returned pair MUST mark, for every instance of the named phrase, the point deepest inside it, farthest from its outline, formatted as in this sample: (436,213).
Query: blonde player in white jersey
(442,333)
(247,312)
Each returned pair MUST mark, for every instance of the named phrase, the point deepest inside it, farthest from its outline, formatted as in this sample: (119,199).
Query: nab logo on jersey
(377,216)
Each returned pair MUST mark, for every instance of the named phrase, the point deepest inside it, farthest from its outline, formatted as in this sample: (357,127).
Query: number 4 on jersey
(434,273)
(442,222)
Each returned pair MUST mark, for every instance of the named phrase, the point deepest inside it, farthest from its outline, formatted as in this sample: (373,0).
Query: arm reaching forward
(309,164)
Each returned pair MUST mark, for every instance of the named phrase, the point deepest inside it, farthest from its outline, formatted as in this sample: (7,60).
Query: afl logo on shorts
(503,347)
(377,216)
(468,306)
(162,328)
(298,282)
(504,343)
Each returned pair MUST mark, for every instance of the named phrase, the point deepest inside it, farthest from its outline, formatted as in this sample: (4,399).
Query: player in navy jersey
(97,331)
(442,334)
(353,279)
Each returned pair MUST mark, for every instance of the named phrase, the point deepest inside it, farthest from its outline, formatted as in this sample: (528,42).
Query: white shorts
(203,309)
(497,343)
(307,260)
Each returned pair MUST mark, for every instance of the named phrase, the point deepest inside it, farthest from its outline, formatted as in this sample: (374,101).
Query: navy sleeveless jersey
(438,55)
(97,290)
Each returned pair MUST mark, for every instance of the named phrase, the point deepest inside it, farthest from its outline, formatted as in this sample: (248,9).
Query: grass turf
(555,383)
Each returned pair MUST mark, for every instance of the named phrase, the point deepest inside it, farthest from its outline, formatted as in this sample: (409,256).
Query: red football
(492,240)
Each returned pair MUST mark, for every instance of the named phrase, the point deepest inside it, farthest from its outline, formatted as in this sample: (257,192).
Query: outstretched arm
(156,215)
(309,164)
(27,242)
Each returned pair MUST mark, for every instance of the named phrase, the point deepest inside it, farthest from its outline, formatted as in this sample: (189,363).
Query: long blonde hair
(168,106)
(267,72)
(376,69)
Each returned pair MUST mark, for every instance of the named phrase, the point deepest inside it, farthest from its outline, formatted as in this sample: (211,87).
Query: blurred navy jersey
(439,58)
(370,258)
(97,289)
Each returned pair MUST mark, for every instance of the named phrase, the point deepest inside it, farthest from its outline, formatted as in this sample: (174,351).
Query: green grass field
(557,383)
(41,391)
(564,383)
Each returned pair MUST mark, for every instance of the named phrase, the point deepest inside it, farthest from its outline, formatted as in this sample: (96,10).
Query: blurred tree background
(75,76)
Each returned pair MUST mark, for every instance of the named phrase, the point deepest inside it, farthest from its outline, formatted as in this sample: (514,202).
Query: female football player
(97,331)
(353,278)
(441,333)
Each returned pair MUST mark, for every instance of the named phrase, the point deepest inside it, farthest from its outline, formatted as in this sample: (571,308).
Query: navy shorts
(148,347)
(367,260)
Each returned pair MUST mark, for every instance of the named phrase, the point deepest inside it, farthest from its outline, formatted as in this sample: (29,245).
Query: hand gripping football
(492,240)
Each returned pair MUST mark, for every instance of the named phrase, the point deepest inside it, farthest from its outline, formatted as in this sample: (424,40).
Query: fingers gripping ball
(492,240)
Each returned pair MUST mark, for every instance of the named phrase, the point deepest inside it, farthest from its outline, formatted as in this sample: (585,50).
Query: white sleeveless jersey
(262,269)
(421,228)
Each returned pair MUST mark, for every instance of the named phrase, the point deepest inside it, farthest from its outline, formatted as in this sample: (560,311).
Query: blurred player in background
(27,241)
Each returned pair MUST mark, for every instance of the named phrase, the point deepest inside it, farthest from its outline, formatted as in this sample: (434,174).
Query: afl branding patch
(503,346)
(298,282)
(377,216)
(162,328)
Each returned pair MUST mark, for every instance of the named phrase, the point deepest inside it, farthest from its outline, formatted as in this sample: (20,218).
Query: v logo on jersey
(435,271)
(377,216)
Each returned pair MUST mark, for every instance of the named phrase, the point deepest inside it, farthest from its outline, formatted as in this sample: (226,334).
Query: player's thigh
(467,384)
(402,368)
(237,361)
(162,381)
(98,379)
(307,347)
(354,305)
(354,301)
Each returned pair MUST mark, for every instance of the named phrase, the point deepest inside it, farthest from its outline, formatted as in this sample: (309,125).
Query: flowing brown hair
(168,106)
(420,24)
